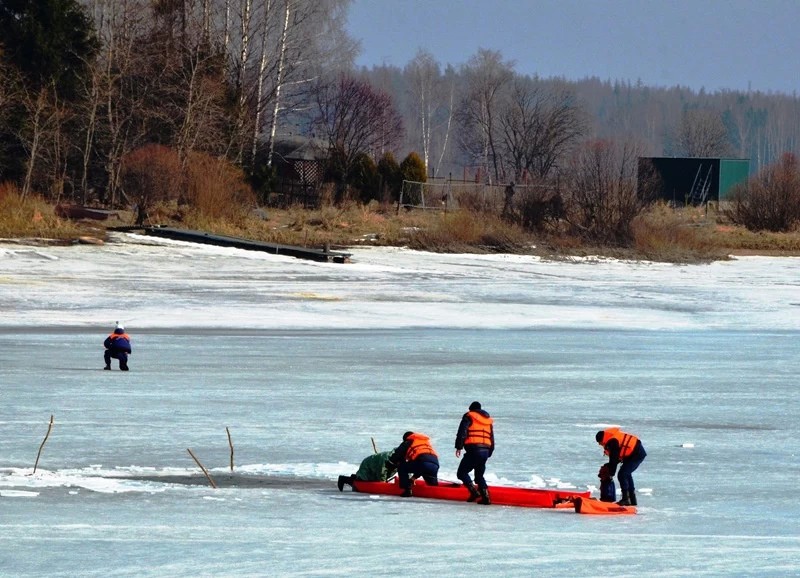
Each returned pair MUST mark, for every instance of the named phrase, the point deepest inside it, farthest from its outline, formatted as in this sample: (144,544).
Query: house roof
(300,148)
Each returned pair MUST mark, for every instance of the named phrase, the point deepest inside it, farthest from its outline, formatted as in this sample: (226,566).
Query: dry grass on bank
(662,234)
(33,218)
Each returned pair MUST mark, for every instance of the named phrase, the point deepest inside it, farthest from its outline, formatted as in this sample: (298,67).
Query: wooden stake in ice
(230,444)
(47,435)
(205,471)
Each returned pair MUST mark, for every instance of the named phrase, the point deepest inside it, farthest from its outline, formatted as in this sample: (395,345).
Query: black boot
(107,367)
(342,481)
(485,496)
(626,499)
(632,498)
(123,367)
(406,493)
(473,492)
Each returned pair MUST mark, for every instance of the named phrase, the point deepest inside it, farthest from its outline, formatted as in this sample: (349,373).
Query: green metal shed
(694,181)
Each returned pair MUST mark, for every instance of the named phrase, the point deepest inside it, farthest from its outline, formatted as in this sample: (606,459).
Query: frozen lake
(306,363)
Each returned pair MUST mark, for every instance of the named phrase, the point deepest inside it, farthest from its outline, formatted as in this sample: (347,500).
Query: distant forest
(91,91)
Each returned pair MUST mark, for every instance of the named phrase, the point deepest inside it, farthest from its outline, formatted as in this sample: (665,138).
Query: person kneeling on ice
(476,437)
(414,457)
(608,489)
(627,449)
(373,468)
(118,346)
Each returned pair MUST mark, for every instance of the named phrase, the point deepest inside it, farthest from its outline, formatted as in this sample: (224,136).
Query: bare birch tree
(486,75)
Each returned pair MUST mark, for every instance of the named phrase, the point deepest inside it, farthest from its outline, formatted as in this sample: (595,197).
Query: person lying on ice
(373,468)
(476,437)
(627,449)
(415,456)
(118,346)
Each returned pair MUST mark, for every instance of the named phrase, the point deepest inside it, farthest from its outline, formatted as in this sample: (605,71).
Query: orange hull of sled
(499,495)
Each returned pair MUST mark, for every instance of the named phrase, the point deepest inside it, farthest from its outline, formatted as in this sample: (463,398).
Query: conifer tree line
(92,89)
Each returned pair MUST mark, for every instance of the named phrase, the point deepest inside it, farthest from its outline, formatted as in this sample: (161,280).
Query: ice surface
(308,363)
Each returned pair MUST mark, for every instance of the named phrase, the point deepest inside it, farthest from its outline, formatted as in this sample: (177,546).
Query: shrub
(467,231)
(216,188)
(413,168)
(540,208)
(667,234)
(602,197)
(151,174)
(391,177)
(364,178)
(771,200)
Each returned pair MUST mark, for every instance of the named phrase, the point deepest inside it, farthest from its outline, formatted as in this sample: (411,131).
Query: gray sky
(716,44)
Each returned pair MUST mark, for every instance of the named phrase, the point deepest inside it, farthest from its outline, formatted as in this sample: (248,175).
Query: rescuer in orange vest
(118,346)
(627,449)
(414,457)
(476,437)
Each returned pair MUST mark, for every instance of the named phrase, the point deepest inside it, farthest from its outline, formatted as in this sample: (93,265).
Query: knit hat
(475,406)
(407,434)
(119,328)
(599,436)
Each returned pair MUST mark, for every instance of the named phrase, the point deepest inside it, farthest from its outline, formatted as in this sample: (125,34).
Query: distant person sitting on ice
(373,468)
(415,457)
(118,346)
(626,449)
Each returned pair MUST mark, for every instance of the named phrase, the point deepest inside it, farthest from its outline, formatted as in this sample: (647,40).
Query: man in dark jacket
(626,449)
(372,469)
(415,457)
(476,437)
(118,346)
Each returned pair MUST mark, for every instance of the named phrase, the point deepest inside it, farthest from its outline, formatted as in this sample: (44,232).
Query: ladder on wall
(701,186)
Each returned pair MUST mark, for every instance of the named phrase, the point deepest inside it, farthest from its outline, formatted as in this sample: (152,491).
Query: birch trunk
(278,85)
(261,71)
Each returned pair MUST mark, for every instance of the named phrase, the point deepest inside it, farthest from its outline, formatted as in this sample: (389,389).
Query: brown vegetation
(661,234)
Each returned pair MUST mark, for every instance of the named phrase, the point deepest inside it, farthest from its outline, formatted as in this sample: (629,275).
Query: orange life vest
(596,507)
(115,336)
(480,430)
(626,441)
(420,444)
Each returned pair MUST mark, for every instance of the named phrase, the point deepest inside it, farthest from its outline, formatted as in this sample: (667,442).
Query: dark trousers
(629,466)
(422,466)
(121,355)
(474,459)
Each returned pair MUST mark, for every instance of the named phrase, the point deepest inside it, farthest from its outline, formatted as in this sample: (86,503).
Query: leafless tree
(356,119)
(537,126)
(38,135)
(124,78)
(486,75)
(602,197)
(703,134)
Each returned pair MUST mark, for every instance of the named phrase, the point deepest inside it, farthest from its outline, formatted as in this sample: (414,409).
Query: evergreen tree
(50,42)
(413,169)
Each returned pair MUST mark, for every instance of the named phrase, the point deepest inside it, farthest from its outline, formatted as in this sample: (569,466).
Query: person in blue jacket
(118,346)
(476,437)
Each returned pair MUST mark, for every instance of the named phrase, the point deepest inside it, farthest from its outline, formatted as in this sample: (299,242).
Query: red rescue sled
(499,495)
